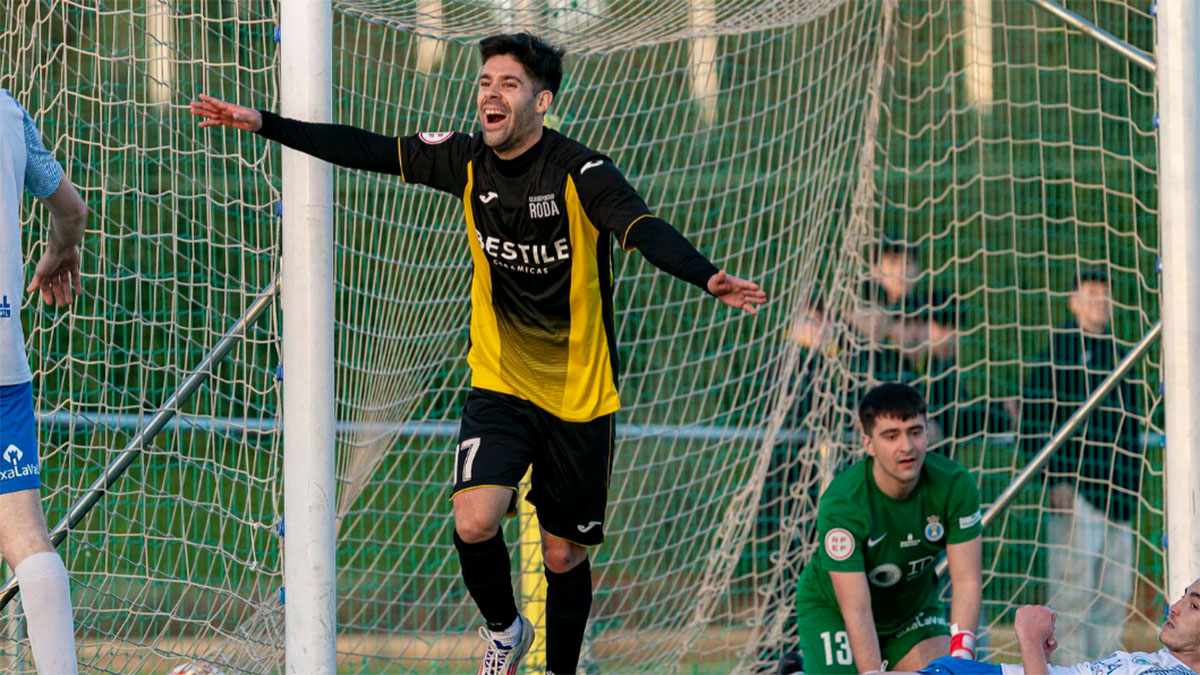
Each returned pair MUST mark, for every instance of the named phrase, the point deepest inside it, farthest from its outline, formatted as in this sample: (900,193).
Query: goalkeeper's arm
(339,144)
(854,601)
(965,561)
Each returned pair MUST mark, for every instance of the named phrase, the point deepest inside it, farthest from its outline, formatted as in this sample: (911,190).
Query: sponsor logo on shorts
(922,620)
(20,472)
(969,521)
(435,137)
(12,455)
(839,544)
(585,528)
(934,530)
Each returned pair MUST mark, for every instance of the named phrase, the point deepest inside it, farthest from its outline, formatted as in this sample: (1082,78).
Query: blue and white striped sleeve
(43,173)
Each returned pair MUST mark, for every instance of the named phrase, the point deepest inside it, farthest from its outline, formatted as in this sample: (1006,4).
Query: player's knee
(23,528)
(562,556)
(473,528)
(16,546)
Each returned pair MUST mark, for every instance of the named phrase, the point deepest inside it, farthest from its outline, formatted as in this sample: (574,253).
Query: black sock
(568,603)
(487,574)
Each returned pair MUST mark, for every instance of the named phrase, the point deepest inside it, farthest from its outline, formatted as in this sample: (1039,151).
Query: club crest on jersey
(542,206)
(839,544)
(435,137)
(934,530)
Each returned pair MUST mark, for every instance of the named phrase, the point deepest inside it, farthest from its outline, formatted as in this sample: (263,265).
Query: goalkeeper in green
(869,598)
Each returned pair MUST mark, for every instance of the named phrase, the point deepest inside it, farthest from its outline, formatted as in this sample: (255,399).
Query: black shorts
(502,435)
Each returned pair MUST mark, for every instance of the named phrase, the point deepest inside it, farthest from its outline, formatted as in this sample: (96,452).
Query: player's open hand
(735,292)
(218,113)
(57,276)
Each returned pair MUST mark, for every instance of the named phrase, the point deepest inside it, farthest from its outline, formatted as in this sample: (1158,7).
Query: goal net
(794,142)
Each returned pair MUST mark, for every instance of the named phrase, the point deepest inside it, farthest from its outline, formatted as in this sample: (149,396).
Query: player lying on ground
(869,597)
(1180,655)
(541,213)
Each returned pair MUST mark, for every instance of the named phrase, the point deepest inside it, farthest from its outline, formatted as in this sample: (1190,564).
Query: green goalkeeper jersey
(894,541)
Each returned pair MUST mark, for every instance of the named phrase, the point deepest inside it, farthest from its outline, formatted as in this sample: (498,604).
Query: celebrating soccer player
(869,598)
(26,165)
(541,212)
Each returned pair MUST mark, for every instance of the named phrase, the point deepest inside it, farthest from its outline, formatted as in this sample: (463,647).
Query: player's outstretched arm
(672,253)
(736,292)
(613,204)
(339,144)
(1035,633)
(57,272)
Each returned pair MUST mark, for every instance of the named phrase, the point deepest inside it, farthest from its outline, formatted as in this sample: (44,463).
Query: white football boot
(502,658)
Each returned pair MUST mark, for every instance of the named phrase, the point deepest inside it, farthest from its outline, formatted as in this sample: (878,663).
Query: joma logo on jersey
(543,206)
(529,258)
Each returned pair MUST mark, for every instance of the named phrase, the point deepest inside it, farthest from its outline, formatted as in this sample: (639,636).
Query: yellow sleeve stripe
(400,155)
(625,237)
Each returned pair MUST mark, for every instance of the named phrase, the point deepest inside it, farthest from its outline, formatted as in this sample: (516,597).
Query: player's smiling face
(898,447)
(510,107)
(1181,631)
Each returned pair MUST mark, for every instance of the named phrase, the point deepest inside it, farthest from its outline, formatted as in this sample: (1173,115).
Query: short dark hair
(894,248)
(542,60)
(1090,275)
(892,399)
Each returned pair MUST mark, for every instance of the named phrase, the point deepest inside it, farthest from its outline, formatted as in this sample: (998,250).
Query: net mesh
(794,142)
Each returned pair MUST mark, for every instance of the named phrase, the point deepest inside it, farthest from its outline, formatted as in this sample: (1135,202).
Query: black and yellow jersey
(541,291)
(540,229)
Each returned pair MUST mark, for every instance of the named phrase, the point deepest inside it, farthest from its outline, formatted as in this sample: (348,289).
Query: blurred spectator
(888,294)
(1093,479)
(931,358)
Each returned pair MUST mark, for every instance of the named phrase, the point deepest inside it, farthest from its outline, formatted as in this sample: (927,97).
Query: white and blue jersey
(1162,662)
(25,165)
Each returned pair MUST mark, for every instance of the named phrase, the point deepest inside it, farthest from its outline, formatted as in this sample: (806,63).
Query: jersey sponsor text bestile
(895,542)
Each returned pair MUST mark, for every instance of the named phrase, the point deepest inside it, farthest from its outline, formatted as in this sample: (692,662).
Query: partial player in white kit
(25,165)
(1180,655)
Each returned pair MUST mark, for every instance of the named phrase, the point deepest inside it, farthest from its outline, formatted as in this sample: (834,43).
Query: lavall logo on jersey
(5,308)
(526,258)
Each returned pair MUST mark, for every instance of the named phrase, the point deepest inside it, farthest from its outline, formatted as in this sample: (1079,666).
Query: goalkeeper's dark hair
(542,60)
(894,400)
